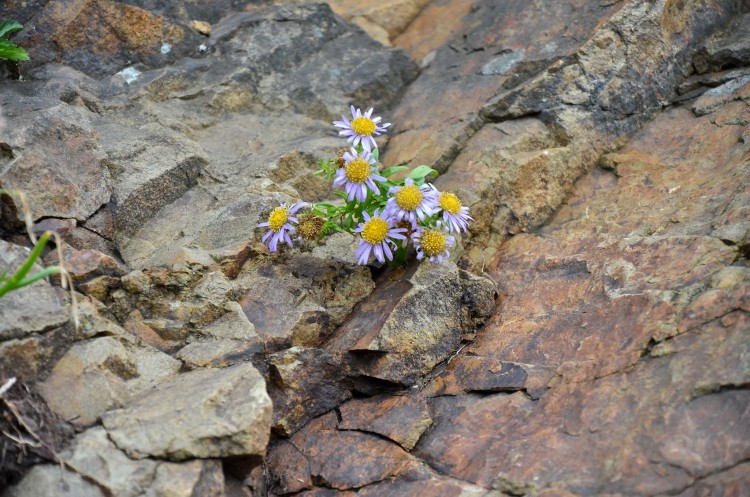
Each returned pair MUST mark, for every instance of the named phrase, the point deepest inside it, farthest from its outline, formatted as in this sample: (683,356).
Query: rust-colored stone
(330,454)
(402,418)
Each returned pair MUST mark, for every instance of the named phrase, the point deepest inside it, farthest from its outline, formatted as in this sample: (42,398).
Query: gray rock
(201,414)
(729,48)
(502,64)
(218,353)
(223,342)
(300,300)
(95,467)
(150,167)
(48,480)
(31,309)
(100,374)
(43,133)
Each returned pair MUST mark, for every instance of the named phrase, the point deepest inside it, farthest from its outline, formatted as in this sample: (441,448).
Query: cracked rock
(206,413)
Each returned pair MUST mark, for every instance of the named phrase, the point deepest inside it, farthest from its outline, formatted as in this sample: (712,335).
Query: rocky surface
(588,337)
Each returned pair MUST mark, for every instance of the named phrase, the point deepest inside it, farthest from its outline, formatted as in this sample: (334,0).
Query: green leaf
(38,276)
(9,27)
(376,154)
(421,172)
(392,170)
(10,51)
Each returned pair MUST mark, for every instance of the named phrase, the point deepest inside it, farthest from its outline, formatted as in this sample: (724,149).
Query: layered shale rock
(587,337)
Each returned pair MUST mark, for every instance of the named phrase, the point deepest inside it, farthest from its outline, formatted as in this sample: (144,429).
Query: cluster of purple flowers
(407,212)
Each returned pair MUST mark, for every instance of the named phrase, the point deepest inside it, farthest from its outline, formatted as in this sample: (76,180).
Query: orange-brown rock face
(617,361)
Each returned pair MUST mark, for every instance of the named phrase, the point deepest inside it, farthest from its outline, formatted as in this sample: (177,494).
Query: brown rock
(468,78)
(480,374)
(391,16)
(100,37)
(305,383)
(402,418)
(83,265)
(99,287)
(329,454)
(438,23)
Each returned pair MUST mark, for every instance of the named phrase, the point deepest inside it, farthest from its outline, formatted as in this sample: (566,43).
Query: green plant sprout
(8,49)
(21,277)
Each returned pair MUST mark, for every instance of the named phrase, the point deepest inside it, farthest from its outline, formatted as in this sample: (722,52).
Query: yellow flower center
(363,126)
(375,230)
(433,242)
(409,197)
(357,170)
(450,203)
(278,218)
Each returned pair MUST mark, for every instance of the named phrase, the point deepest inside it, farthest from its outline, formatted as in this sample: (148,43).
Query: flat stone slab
(205,413)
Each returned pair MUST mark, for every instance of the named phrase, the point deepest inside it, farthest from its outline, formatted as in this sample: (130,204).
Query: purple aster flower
(280,225)
(433,242)
(455,215)
(410,202)
(377,235)
(362,128)
(358,174)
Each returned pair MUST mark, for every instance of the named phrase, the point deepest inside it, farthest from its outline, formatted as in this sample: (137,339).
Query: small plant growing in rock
(385,213)
(8,49)
(21,277)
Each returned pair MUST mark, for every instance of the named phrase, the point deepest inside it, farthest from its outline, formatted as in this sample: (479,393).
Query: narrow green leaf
(31,259)
(49,271)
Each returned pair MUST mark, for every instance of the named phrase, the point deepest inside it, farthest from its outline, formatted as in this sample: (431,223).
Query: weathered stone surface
(97,375)
(403,418)
(305,383)
(480,374)
(627,301)
(436,25)
(328,458)
(83,265)
(43,132)
(300,301)
(101,37)
(31,309)
(150,166)
(410,323)
(169,308)
(53,480)
(189,10)
(205,413)
(94,466)
(455,73)
(218,353)
(727,49)
(576,82)
(382,20)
